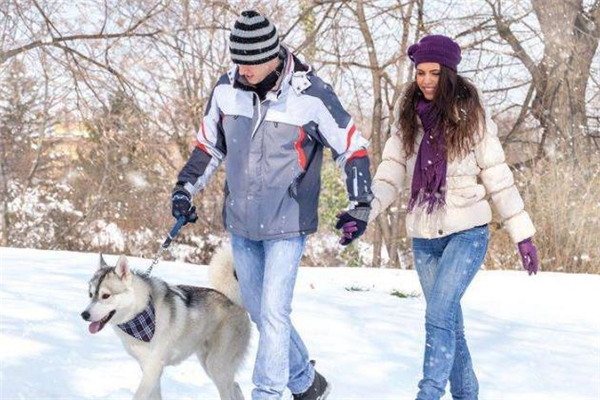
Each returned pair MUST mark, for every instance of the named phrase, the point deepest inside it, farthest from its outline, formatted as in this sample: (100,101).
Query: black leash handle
(174,231)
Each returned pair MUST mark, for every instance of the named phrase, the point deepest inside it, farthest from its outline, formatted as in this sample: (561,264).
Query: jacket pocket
(466,196)
(283,163)
(293,188)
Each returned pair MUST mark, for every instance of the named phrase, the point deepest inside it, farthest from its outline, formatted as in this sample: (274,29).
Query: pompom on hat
(435,48)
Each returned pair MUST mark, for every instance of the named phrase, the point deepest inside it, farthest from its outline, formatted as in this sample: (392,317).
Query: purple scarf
(429,178)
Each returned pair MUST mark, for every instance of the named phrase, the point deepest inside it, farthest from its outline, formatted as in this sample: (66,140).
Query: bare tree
(387,69)
(569,33)
(138,74)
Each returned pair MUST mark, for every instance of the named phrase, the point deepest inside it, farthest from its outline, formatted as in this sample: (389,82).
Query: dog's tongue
(95,327)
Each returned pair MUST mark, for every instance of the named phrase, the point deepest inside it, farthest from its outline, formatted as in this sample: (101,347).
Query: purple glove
(348,230)
(353,223)
(529,256)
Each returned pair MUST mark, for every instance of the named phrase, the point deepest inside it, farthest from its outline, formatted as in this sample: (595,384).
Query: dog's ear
(102,263)
(122,269)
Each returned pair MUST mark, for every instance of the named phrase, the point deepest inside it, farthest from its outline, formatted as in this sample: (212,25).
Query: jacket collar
(294,74)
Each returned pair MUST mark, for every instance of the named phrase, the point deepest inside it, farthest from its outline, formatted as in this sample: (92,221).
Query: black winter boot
(319,390)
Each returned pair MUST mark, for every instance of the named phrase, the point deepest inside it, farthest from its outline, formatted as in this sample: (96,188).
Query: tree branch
(130,32)
(507,34)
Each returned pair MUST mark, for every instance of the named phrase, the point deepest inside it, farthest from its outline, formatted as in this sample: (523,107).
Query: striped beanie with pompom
(253,39)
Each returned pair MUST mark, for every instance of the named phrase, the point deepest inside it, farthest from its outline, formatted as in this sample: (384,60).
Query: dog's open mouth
(97,326)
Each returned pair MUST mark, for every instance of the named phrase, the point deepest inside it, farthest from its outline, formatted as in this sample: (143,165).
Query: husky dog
(160,324)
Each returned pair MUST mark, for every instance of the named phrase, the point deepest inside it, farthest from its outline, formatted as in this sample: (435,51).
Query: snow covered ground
(532,338)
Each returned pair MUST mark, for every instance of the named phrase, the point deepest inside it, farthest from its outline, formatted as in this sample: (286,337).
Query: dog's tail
(222,276)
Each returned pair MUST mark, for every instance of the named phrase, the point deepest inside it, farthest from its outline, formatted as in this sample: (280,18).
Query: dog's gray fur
(189,320)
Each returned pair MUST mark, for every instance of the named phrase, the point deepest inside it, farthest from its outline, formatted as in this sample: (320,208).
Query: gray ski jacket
(273,150)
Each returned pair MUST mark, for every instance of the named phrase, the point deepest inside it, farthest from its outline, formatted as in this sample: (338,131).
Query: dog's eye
(105,296)
(90,295)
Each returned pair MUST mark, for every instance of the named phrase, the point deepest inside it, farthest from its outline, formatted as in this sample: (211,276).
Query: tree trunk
(560,80)
(377,107)
(570,44)
(4,220)
(377,245)
(396,214)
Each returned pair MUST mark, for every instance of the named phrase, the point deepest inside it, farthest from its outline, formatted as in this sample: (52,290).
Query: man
(270,118)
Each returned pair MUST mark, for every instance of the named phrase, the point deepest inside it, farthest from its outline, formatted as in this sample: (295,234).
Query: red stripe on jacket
(349,137)
(358,154)
(200,145)
(299,149)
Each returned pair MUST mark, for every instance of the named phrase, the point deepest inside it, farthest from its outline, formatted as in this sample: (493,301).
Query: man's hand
(181,205)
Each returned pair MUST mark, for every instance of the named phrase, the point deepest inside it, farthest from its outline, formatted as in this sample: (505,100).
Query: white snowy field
(532,338)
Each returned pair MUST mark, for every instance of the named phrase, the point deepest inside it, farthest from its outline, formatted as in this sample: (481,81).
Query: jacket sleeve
(391,171)
(338,132)
(389,178)
(209,151)
(500,184)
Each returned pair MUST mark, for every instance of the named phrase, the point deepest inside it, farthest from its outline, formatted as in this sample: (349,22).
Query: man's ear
(122,269)
(102,263)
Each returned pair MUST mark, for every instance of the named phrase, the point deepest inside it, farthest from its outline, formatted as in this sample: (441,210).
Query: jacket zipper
(260,117)
(355,181)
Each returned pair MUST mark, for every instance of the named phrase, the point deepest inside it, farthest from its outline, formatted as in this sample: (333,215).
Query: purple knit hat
(435,48)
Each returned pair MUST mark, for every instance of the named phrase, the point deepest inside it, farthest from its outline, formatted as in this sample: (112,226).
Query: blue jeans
(446,266)
(267,271)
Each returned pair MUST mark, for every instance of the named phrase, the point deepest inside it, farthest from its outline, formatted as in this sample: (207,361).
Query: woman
(447,143)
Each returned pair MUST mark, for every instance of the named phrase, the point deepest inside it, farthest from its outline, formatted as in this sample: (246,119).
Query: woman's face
(428,78)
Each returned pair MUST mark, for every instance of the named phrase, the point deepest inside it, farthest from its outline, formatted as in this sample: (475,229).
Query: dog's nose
(85,315)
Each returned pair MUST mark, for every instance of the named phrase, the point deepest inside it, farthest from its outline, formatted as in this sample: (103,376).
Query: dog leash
(170,236)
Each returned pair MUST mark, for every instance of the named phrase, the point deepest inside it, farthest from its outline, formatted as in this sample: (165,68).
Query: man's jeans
(267,271)
(446,266)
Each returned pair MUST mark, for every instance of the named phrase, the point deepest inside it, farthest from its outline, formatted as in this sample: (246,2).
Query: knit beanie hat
(435,48)
(253,40)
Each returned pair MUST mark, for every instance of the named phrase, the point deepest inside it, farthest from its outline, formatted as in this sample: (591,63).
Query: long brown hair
(458,109)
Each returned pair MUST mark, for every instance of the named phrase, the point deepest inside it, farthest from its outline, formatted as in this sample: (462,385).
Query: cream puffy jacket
(483,174)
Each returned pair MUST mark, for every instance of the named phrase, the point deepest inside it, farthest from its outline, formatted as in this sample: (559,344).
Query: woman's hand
(353,223)
(529,256)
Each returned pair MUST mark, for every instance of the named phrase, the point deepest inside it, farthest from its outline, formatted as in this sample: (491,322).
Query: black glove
(181,205)
(353,222)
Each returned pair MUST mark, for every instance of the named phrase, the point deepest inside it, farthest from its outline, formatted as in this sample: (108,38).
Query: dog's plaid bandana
(143,325)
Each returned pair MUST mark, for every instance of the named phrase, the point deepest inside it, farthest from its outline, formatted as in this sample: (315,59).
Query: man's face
(254,74)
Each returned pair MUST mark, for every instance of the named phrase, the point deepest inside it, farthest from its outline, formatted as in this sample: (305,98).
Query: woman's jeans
(267,271)
(446,266)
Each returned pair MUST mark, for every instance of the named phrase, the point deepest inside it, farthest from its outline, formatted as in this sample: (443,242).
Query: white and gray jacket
(273,151)
(481,175)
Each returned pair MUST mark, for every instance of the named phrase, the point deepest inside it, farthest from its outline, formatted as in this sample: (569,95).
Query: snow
(137,179)
(107,234)
(532,338)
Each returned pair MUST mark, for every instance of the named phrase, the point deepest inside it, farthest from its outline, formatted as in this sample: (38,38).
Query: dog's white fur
(220,272)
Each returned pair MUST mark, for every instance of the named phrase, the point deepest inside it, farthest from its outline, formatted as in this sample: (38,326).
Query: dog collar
(143,325)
